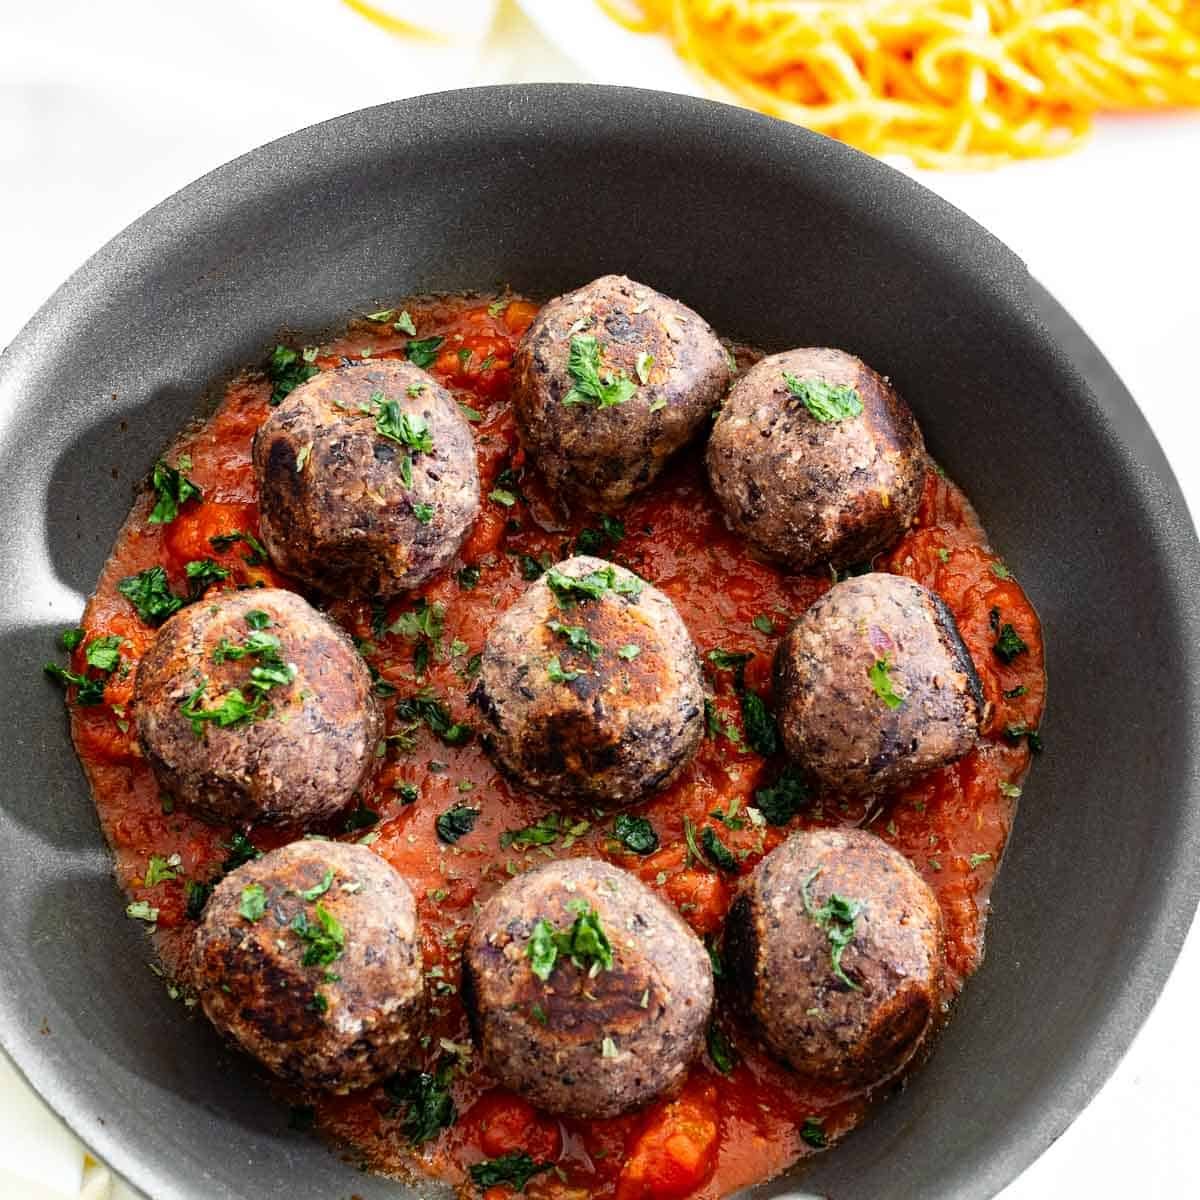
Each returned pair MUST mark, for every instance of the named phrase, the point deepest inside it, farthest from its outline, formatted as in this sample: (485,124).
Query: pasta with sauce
(947,83)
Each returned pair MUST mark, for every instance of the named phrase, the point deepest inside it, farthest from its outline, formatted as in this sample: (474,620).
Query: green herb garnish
(423,353)
(287,369)
(720,1050)
(762,734)
(592,385)
(592,586)
(456,822)
(173,490)
(542,832)
(253,905)
(1009,644)
(556,674)
(436,717)
(577,637)
(716,851)
(585,943)
(826,402)
(149,593)
(879,673)
(257,551)
(635,834)
(324,941)
(812,1134)
(836,917)
(782,800)
(427,1099)
(203,573)
(515,1169)
(319,889)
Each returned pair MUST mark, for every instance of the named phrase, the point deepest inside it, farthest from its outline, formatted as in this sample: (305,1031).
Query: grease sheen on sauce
(722,1132)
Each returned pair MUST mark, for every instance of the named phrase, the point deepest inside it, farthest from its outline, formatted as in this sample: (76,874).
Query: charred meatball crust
(832,718)
(337,507)
(600,457)
(587,1044)
(307,749)
(621,729)
(779,958)
(339,1024)
(804,492)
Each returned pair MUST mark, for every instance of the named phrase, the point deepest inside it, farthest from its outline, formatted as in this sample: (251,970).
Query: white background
(107,108)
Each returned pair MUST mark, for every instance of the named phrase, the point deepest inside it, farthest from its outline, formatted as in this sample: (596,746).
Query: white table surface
(106,109)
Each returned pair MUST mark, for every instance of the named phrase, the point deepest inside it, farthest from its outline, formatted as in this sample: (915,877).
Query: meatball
(590,686)
(309,960)
(255,707)
(833,946)
(831,474)
(586,993)
(874,686)
(611,380)
(367,480)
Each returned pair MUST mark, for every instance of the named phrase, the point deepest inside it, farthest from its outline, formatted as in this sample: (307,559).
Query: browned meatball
(804,484)
(367,479)
(664,371)
(591,687)
(309,960)
(255,707)
(573,1027)
(874,686)
(850,1018)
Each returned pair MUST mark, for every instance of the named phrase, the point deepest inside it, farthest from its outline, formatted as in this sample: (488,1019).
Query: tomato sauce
(723,1131)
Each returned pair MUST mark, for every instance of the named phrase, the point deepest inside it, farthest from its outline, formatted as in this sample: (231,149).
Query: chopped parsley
(173,490)
(149,593)
(720,1050)
(716,851)
(730,660)
(257,551)
(436,717)
(197,895)
(594,585)
(426,1098)
(423,512)
(542,832)
(425,352)
(531,569)
(1001,571)
(468,577)
(812,1133)
(404,428)
(591,541)
(764,624)
(324,940)
(1033,737)
(515,1169)
(762,734)
(498,306)
(1013,693)
(320,888)
(780,801)
(160,870)
(104,653)
(591,384)
(629,651)
(585,943)
(233,709)
(977,860)
(879,673)
(287,369)
(1009,644)
(361,818)
(502,496)
(241,850)
(456,822)
(635,834)
(826,402)
(253,904)
(577,637)
(202,574)
(556,674)
(404,324)
(645,361)
(836,917)
(69,639)
(142,910)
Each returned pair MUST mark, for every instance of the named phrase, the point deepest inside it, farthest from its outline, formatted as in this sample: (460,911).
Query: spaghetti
(946,83)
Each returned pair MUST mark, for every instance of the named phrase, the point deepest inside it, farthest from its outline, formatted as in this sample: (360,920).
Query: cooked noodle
(948,83)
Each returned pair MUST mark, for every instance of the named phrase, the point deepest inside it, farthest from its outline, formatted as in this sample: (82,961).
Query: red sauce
(721,1133)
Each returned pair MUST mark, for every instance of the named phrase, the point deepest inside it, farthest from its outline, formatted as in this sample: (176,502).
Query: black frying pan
(777,236)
